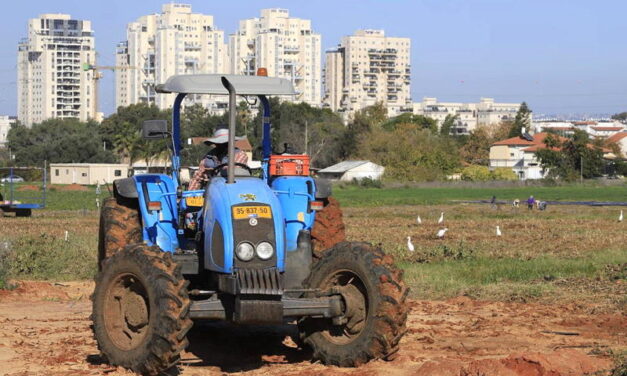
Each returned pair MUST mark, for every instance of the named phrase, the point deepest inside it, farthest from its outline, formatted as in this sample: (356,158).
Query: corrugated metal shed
(343,167)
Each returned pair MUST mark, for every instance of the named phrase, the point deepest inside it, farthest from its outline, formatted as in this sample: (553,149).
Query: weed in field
(48,257)
(4,264)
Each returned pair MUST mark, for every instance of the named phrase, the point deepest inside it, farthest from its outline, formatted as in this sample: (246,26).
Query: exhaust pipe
(232,119)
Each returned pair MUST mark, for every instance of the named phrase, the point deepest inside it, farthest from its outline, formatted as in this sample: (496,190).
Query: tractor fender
(323,188)
(125,187)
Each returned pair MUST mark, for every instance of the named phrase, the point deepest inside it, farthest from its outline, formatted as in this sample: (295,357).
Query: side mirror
(155,129)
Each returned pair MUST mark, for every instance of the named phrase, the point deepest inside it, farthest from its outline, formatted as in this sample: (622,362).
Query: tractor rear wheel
(374,299)
(328,228)
(120,225)
(141,310)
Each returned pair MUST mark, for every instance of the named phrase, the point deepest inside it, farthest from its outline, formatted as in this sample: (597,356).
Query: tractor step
(188,261)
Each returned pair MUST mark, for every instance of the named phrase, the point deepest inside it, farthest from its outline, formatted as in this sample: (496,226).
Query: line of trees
(412,147)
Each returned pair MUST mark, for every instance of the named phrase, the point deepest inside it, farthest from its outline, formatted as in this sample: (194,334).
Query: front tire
(141,310)
(374,298)
(120,225)
(328,228)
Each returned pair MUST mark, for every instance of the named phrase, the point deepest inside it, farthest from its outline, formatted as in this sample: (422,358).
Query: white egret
(441,233)
(620,217)
(410,246)
(418,220)
(441,218)
(498,231)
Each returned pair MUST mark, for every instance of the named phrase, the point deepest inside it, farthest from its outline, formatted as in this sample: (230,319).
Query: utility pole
(581,168)
(306,136)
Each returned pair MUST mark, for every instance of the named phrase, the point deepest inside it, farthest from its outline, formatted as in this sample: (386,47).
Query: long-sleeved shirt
(210,162)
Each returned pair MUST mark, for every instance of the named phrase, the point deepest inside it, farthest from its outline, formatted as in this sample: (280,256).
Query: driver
(215,157)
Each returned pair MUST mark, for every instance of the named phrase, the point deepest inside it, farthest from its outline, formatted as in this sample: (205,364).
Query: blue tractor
(239,250)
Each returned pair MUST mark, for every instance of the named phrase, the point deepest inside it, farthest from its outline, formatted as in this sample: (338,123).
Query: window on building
(56,172)
(84,174)
(117,172)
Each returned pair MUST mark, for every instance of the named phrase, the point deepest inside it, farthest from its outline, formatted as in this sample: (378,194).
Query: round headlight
(245,251)
(265,250)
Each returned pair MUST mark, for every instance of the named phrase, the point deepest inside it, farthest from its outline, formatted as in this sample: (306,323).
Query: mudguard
(294,194)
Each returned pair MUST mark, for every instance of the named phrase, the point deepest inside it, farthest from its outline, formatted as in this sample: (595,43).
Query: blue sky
(561,56)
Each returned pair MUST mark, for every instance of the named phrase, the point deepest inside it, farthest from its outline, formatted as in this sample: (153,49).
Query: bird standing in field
(410,246)
(418,220)
(620,217)
(441,218)
(498,231)
(441,233)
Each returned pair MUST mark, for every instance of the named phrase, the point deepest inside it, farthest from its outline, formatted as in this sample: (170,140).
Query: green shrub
(504,173)
(483,173)
(476,173)
(368,182)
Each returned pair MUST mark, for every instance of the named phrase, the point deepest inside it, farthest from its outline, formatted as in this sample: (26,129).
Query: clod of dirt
(75,187)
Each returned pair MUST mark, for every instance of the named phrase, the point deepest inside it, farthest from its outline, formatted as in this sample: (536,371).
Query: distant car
(12,178)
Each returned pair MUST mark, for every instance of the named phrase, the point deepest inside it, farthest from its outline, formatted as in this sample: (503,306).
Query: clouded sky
(561,56)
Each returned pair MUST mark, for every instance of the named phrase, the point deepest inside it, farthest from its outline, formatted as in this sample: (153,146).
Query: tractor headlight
(245,251)
(265,250)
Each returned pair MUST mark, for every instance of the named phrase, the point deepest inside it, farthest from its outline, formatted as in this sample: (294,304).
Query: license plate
(244,212)
(196,201)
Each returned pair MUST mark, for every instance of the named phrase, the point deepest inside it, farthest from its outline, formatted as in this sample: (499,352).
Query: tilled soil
(45,330)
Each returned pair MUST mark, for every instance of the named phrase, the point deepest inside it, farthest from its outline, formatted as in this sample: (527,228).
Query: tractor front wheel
(373,296)
(328,228)
(141,310)
(120,225)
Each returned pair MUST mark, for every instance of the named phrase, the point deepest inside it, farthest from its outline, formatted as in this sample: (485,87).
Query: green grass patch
(74,200)
(352,196)
(51,258)
(486,277)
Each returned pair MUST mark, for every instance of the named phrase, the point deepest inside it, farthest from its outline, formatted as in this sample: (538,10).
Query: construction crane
(97,75)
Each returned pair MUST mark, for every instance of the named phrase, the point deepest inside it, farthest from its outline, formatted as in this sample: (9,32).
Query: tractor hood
(245,211)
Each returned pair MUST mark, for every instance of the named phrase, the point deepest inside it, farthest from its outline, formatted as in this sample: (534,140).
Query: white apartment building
(175,41)
(5,125)
(607,128)
(286,46)
(51,81)
(366,68)
(469,115)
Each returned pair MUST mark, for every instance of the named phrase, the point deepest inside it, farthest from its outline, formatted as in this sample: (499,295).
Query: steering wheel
(219,167)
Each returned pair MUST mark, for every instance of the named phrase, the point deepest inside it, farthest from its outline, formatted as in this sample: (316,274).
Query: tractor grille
(260,281)
(262,231)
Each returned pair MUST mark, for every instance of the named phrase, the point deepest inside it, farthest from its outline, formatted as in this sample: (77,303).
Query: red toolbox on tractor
(289,165)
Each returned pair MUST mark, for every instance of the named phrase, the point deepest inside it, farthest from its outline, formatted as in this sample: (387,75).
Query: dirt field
(45,330)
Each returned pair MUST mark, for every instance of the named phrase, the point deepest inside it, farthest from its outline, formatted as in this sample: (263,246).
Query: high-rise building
(51,81)
(158,46)
(5,125)
(367,68)
(287,47)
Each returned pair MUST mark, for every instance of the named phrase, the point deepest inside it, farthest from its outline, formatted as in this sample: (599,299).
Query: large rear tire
(328,228)
(375,310)
(141,310)
(120,225)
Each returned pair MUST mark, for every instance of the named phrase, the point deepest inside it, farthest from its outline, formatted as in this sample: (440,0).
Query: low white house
(349,170)
(86,173)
